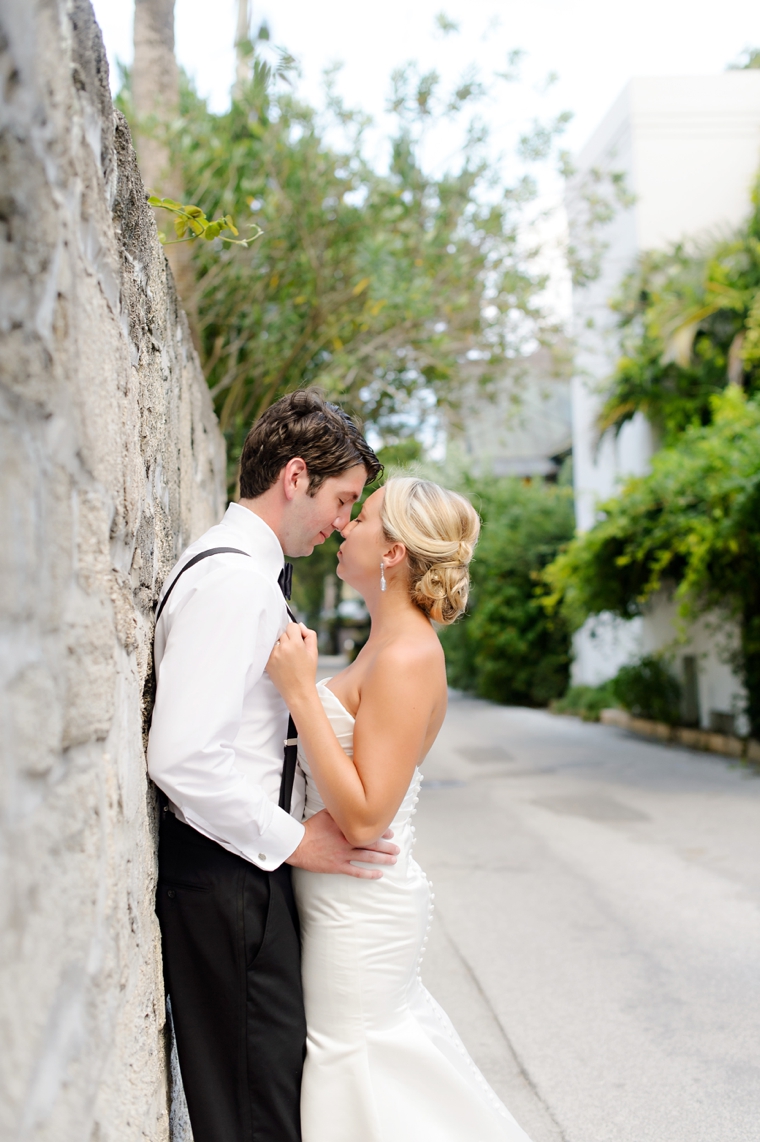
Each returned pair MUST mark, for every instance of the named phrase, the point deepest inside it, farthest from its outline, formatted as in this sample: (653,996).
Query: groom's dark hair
(303,424)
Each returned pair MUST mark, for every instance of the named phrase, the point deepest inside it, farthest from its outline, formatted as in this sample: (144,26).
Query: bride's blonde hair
(439,530)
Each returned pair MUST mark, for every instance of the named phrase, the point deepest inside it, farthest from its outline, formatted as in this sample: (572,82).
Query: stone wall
(111,462)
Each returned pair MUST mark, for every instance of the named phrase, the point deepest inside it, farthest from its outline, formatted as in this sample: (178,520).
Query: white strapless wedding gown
(383,1061)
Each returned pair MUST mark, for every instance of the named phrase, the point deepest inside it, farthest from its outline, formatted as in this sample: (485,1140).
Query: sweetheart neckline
(323,682)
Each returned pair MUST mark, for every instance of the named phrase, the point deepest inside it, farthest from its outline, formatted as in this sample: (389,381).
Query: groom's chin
(300,552)
(308,545)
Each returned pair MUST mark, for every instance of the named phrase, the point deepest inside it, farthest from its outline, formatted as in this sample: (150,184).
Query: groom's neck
(268,508)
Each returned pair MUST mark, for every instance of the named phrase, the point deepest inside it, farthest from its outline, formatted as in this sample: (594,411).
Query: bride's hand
(292,665)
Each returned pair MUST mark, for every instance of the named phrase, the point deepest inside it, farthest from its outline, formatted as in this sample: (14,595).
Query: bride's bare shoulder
(407,656)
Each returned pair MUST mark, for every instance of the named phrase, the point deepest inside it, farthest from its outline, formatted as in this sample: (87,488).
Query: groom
(225,903)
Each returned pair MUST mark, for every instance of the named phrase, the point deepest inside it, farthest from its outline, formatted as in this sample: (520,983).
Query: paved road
(597,930)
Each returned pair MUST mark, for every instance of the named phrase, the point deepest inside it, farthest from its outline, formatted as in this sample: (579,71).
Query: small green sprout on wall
(190,223)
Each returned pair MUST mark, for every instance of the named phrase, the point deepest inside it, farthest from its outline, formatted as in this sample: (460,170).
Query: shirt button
(262,856)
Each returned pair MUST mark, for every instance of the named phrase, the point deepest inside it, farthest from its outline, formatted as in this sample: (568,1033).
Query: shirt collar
(258,539)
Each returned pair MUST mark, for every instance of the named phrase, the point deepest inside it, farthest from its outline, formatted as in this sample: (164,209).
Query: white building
(525,430)
(690,149)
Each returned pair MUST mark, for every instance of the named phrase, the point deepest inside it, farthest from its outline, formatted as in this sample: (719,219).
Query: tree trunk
(242,35)
(155,95)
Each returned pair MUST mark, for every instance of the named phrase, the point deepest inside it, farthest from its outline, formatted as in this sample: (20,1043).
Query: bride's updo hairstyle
(439,530)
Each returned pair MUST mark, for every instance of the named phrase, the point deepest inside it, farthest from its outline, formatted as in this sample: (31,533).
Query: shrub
(507,648)
(647,689)
(586,701)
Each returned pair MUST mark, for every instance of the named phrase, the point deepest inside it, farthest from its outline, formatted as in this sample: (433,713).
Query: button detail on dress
(262,856)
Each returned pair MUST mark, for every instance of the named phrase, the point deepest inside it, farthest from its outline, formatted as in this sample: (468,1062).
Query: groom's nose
(343,518)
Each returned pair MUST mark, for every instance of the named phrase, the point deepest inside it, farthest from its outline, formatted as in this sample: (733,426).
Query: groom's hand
(325,849)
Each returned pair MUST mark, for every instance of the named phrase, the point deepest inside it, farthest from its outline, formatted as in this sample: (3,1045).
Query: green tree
(690,324)
(692,524)
(749,60)
(387,287)
(507,647)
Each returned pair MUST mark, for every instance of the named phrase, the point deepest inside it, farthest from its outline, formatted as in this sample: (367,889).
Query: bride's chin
(340,572)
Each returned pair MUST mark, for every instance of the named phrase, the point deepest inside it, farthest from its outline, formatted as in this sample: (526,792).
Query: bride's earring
(382,576)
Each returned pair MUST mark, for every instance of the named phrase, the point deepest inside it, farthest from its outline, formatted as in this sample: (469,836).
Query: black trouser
(232,969)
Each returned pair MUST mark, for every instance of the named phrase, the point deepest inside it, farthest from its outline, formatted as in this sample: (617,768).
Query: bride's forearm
(337,778)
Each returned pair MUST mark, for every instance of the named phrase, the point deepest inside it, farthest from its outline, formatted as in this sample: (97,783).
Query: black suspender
(289,760)
(291,742)
(290,756)
(191,563)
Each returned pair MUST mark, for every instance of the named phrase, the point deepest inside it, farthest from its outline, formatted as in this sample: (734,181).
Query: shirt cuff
(272,847)
(278,842)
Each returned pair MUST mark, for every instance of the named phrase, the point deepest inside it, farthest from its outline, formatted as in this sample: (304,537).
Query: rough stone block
(651,729)
(615,717)
(690,737)
(111,462)
(726,744)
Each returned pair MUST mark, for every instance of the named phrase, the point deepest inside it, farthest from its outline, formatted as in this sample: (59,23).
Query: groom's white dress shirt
(219,724)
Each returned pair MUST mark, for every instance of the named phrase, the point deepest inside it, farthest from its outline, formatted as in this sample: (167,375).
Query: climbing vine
(690,324)
(190,223)
(692,524)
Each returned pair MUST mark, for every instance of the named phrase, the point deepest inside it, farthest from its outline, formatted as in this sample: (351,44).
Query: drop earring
(383,584)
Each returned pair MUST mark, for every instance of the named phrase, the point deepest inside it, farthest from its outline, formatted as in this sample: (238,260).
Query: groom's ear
(294,477)
(395,554)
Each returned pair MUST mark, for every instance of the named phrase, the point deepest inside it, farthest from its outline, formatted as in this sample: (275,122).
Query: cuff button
(262,856)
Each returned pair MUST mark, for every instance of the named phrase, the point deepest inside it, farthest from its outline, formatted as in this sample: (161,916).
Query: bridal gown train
(383,1061)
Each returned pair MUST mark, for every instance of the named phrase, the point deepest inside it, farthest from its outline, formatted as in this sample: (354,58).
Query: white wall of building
(524,426)
(711,641)
(690,150)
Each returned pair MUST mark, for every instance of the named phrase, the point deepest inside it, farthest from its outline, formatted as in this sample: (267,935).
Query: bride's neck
(391,608)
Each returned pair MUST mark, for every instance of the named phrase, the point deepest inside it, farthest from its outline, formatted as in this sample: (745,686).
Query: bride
(383,1062)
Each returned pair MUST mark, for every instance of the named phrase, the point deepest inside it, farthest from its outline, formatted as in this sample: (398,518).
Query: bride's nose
(348,528)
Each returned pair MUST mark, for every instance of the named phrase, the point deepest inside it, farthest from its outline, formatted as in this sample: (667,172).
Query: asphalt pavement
(597,929)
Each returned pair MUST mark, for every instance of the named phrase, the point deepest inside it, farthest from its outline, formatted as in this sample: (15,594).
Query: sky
(594,46)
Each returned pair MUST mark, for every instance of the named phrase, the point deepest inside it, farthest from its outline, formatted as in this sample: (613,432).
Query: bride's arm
(398,698)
